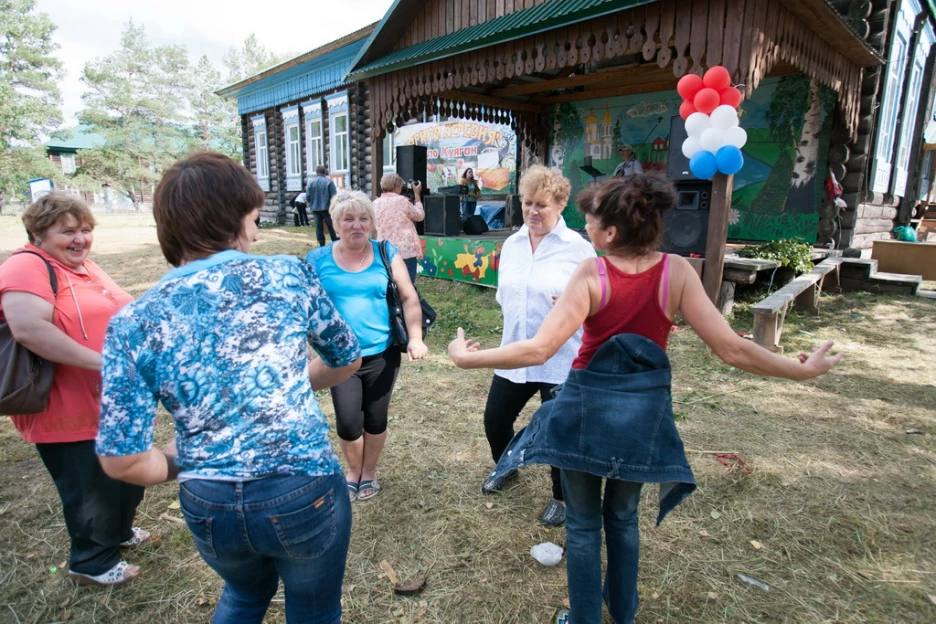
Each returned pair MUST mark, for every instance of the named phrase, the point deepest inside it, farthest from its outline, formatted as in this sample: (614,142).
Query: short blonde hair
(356,201)
(549,180)
(49,209)
(390,182)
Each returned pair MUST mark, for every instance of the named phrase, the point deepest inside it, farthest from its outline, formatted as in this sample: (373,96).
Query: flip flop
(352,490)
(371,485)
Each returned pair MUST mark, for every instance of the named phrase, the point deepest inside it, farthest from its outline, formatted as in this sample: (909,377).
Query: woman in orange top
(67,327)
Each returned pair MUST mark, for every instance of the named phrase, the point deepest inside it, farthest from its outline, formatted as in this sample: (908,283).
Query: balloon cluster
(709,108)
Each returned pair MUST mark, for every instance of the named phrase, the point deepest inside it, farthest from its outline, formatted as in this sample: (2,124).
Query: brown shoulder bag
(25,378)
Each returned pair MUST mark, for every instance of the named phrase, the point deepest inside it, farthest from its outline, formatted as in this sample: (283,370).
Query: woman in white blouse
(536,264)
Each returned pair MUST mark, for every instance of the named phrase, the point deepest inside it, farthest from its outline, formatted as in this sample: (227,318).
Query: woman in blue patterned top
(354,276)
(222,341)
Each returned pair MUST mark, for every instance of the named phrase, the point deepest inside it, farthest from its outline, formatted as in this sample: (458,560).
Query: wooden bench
(803,292)
(740,270)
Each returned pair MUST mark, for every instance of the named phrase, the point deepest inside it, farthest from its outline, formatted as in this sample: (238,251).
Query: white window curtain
(261,151)
(292,145)
(315,146)
(68,163)
(339,140)
(893,88)
(389,153)
(909,114)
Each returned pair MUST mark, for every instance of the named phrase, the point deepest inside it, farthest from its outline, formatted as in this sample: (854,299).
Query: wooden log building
(303,113)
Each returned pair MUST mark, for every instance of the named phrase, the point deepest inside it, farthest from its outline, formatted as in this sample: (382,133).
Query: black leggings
(363,401)
(504,403)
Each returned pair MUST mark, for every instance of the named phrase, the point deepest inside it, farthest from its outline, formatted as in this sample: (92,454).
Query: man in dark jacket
(318,196)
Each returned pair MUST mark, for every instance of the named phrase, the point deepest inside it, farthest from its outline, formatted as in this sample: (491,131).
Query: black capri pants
(362,402)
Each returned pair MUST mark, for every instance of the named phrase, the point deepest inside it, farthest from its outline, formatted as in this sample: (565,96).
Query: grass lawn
(837,515)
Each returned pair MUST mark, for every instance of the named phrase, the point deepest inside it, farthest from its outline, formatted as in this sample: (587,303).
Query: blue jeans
(584,514)
(411,267)
(253,533)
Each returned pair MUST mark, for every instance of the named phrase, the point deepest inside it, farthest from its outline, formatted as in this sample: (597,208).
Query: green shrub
(788,253)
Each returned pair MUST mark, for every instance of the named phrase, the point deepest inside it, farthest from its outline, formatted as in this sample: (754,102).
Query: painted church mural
(778,192)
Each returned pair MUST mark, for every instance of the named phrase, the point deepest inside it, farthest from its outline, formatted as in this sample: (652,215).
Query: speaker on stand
(685,229)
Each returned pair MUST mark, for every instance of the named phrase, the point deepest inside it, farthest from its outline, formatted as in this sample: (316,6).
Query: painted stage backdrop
(453,146)
(461,259)
(778,192)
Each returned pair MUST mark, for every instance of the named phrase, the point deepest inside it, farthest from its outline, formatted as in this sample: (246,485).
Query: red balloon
(686,109)
(732,97)
(688,86)
(706,100)
(717,78)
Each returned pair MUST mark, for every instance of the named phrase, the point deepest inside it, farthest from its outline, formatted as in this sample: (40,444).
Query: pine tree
(136,100)
(215,119)
(29,94)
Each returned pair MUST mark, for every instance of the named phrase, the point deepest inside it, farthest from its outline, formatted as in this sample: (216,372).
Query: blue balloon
(729,160)
(703,164)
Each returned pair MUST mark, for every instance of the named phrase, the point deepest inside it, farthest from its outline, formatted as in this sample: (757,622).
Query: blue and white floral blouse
(221,342)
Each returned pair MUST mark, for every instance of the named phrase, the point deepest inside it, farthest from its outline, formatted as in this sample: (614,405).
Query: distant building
(65,154)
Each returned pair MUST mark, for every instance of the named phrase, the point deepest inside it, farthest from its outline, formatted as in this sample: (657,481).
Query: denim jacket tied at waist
(613,419)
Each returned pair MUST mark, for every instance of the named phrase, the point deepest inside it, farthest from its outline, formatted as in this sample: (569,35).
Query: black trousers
(302,214)
(362,402)
(504,403)
(320,216)
(98,510)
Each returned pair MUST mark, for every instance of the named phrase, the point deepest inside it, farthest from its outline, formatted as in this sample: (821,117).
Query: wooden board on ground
(908,258)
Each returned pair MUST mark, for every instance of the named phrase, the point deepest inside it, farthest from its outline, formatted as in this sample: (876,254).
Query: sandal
(121,573)
(352,490)
(554,514)
(562,617)
(371,486)
(139,537)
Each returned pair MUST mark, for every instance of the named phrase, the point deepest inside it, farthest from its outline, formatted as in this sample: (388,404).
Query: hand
(460,347)
(416,350)
(816,363)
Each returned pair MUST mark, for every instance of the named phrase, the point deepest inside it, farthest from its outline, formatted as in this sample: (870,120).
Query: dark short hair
(320,170)
(200,204)
(48,209)
(634,205)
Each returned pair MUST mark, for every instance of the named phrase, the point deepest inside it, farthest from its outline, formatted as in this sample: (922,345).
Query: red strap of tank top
(604,288)
(665,280)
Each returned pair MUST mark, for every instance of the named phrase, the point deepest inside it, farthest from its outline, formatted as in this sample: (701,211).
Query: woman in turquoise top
(353,275)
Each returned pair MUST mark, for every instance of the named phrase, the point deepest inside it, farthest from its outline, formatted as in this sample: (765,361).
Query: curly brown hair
(634,205)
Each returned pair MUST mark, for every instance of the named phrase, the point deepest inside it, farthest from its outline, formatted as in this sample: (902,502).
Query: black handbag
(398,329)
(25,378)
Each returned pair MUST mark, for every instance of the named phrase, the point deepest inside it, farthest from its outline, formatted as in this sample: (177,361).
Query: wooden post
(717,235)
(377,138)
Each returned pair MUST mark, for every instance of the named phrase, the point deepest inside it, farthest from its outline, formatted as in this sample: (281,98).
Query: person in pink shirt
(395,216)
(66,325)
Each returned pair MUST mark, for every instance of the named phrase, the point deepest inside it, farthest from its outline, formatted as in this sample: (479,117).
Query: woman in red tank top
(633,289)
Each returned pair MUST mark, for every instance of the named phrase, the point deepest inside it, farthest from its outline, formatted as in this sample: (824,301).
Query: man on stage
(629,164)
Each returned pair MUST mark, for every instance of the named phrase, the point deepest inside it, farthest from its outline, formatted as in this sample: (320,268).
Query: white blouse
(526,283)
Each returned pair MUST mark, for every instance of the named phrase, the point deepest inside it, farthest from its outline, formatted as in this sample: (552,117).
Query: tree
(29,95)
(250,58)
(136,100)
(216,123)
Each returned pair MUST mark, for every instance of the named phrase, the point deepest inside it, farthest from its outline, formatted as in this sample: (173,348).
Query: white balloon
(690,146)
(697,123)
(736,136)
(724,117)
(712,140)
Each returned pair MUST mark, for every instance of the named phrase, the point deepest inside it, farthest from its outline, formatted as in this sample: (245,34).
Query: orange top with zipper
(83,308)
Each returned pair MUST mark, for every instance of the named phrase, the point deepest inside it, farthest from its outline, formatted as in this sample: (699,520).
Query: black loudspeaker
(686,228)
(442,214)
(677,165)
(513,211)
(411,163)
(474,225)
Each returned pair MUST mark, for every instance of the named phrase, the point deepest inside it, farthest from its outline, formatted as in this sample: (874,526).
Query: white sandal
(119,574)
(139,537)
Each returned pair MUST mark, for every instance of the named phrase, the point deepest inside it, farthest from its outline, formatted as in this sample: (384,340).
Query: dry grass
(841,498)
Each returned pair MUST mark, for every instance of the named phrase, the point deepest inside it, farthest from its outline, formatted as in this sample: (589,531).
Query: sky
(90,29)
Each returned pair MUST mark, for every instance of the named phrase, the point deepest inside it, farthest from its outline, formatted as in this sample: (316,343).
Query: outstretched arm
(714,330)
(566,317)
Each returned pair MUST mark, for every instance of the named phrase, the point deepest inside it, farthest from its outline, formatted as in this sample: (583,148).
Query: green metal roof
(508,27)
(81,138)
